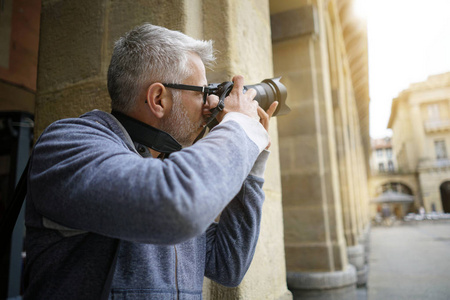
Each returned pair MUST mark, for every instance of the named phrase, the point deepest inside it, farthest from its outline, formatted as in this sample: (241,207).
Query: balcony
(426,163)
(437,125)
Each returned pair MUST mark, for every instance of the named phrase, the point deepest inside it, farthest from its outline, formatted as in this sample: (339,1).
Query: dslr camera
(268,91)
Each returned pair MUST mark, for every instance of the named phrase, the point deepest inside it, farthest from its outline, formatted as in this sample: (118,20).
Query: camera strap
(147,135)
(211,122)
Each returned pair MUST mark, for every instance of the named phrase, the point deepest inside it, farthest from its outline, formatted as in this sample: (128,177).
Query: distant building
(390,187)
(420,120)
(382,159)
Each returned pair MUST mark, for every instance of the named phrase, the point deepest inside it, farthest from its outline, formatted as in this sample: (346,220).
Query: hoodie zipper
(176,272)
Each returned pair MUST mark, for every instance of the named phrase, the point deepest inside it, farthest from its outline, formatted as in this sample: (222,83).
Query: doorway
(445,196)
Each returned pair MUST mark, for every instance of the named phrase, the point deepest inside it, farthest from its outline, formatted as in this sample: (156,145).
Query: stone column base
(362,276)
(339,285)
(356,257)
(364,240)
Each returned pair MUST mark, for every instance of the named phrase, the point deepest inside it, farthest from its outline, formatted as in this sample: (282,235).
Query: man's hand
(266,115)
(237,101)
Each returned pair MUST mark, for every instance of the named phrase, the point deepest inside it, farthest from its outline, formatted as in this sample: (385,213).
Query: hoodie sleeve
(231,243)
(83,176)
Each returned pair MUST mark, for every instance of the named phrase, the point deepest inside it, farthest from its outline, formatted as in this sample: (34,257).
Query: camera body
(268,91)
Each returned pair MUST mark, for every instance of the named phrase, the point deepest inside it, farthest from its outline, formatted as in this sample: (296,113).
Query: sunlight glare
(361,9)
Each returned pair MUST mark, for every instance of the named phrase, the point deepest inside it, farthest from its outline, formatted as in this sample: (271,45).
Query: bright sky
(408,41)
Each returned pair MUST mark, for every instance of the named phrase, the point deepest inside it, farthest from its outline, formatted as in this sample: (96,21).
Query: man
(111,215)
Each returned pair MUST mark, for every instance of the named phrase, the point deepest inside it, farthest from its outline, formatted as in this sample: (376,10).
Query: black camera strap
(147,135)
(211,122)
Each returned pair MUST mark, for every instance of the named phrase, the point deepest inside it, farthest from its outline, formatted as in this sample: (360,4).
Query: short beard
(178,124)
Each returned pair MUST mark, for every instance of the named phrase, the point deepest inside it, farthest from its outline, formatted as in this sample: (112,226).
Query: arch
(445,196)
(397,207)
(395,185)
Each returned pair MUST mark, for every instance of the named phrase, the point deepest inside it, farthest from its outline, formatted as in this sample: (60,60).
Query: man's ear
(159,99)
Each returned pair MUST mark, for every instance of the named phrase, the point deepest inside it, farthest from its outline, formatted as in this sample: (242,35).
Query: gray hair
(149,54)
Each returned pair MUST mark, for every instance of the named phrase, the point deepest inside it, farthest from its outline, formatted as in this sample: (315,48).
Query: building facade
(390,187)
(382,159)
(314,235)
(420,121)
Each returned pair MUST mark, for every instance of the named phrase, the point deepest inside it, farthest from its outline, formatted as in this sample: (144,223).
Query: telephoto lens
(267,92)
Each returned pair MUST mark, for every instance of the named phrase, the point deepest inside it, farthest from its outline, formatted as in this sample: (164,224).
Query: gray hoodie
(91,195)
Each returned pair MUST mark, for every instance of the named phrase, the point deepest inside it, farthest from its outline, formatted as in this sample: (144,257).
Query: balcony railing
(437,125)
(426,163)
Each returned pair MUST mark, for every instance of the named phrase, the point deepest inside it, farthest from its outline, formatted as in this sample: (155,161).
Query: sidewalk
(410,261)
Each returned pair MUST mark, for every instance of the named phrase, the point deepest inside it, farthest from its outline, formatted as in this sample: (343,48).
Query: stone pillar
(77,39)
(340,81)
(241,31)
(316,255)
(358,252)
(343,105)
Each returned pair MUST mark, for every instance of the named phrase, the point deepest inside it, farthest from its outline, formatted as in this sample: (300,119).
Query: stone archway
(445,196)
(390,196)
(397,187)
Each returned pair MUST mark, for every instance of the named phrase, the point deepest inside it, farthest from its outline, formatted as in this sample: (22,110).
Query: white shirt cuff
(254,129)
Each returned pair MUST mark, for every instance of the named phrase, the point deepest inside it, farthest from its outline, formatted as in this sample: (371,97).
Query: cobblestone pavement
(410,261)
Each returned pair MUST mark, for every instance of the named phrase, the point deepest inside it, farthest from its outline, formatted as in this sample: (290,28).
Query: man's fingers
(261,113)
(251,93)
(272,108)
(238,82)
(263,118)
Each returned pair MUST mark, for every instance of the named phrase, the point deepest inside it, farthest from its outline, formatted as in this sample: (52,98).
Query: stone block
(286,151)
(294,23)
(301,189)
(71,41)
(339,252)
(300,121)
(280,6)
(299,86)
(292,56)
(307,258)
(70,102)
(122,17)
(306,154)
(304,224)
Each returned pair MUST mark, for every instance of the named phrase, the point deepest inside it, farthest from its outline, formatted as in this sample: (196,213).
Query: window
(389,152)
(390,166)
(381,167)
(379,152)
(441,151)
(433,111)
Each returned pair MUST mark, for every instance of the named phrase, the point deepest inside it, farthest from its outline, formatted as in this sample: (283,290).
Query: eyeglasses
(196,88)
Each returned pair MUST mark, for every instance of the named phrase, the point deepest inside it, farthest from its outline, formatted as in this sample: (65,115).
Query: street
(410,260)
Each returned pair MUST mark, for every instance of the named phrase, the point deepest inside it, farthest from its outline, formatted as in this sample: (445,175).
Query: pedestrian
(386,214)
(122,205)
